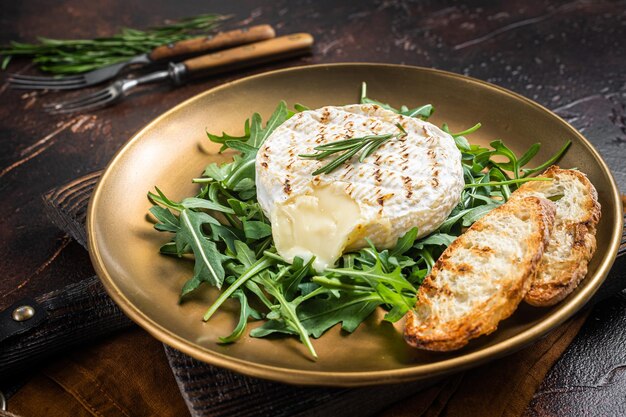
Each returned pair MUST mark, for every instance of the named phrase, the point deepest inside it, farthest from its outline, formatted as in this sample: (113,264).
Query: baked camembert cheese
(413,180)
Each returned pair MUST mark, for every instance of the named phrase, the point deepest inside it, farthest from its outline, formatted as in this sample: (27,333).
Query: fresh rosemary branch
(367,145)
(71,56)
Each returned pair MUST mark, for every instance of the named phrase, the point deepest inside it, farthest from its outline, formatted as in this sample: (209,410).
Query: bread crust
(573,240)
(447,315)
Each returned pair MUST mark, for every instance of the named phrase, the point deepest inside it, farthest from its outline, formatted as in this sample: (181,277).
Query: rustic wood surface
(568,56)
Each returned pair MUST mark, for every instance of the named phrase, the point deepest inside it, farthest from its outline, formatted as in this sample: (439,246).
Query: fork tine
(44,86)
(96,99)
(18,81)
(84,99)
(18,77)
(32,82)
(84,107)
(60,84)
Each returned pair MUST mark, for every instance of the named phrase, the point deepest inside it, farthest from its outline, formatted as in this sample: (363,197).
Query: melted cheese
(319,224)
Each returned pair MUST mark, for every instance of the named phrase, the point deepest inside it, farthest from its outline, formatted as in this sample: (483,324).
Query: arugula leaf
(366,100)
(270,327)
(200,203)
(225,137)
(381,281)
(349,309)
(554,159)
(435,239)
(208,266)
(161,199)
(169,248)
(246,188)
(245,312)
(242,147)
(529,154)
(228,235)
(167,221)
(477,213)
(255,269)
(259,134)
(405,242)
(286,311)
(466,131)
(217,172)
(501,149)
(298,271)
(256,229)
(300,107)
(244,254)
(423,112)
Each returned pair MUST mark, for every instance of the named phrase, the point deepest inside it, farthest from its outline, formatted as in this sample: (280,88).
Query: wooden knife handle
(253,53)
(211,43)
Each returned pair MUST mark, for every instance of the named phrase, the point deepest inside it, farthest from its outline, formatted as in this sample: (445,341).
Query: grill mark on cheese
(325,116)
(349,169)
(381,200)
(408,186)
(404,163)
(378,176)
(287,186)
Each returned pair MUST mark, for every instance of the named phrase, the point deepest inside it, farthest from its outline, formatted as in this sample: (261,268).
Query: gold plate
(173,149)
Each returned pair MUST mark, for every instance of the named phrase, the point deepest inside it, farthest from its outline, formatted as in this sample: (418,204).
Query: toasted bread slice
(481,277)
(573,239)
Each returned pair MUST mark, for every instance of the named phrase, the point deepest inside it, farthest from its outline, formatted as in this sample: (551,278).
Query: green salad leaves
(229,238)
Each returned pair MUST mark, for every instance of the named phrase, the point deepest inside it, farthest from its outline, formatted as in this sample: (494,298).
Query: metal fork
(159,54)
(33,82)
(114,92)
(265,51)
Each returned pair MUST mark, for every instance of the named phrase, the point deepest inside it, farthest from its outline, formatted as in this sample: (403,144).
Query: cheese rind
(412,181)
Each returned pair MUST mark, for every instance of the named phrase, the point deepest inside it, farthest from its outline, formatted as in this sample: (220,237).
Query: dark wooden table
(569,56)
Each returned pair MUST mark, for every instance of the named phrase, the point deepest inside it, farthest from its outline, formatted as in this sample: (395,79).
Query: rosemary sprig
(71,56)
(367,145)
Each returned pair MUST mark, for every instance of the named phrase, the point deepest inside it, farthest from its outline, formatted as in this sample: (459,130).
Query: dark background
(568,56)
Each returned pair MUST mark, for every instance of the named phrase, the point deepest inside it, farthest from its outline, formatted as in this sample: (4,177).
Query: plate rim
(343,378)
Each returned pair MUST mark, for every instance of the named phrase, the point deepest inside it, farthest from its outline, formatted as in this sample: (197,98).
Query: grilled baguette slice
(481,277)
(573,239)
